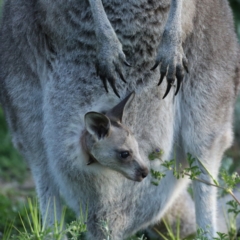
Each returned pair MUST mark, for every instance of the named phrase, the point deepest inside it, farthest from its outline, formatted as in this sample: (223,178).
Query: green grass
(11,213)
(34,227)
(12,167)
(13,171)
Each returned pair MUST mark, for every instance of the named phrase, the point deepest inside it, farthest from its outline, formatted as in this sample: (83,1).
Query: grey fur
(48,81)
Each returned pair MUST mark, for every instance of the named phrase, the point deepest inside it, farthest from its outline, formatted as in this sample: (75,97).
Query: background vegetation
(15,181)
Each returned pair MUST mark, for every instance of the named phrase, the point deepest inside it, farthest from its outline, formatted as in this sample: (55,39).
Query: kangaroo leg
(206,105)
(206,144)
(23,110)
(48,195)
(205,195)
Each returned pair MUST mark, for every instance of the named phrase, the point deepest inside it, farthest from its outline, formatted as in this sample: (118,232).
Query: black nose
(141,173)
(144,172)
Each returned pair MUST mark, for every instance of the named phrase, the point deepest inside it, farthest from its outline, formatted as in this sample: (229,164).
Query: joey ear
(117,112)
(97,124)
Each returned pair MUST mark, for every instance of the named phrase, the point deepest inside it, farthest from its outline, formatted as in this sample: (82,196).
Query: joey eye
(124,154)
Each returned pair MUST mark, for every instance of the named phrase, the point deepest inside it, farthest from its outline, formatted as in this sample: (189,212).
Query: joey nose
(144,172)
(141,173)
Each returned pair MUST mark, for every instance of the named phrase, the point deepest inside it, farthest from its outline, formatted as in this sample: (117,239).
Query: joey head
(109,143)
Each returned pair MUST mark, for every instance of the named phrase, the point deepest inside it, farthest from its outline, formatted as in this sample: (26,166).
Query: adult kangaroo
(56,58)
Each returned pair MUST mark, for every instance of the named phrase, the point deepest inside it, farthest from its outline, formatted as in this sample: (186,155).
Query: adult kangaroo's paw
(110,61)
(170,55)
(171,60)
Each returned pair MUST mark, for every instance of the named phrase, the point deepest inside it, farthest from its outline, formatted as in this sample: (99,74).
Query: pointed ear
(117,112)
(97,124)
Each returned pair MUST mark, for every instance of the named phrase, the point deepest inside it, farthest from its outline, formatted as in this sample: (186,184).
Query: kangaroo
(56,59)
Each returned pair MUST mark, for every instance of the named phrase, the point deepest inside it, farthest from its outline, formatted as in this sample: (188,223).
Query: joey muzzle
(141,173)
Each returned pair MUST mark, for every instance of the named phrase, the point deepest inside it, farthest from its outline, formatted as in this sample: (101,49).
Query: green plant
(157,176)
(38,229)
(78,227)
(7,231)
(106,230)
(200,235)
(229,181)
(193,171)
(34,227)
(10,210)
(170,233)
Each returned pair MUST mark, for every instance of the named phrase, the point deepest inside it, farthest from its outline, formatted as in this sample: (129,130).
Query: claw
(163,74)
(112,83)
(168,89)
(116,92)
(122,77)
(178,86)
(104,83)
(179,76)
(155,66)
(127,64)
(118,69)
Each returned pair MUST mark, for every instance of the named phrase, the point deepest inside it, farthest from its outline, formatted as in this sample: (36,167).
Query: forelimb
(110,56)
(170,55)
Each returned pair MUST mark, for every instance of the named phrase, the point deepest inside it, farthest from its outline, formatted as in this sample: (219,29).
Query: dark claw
(155,66)
(116,92)
(122,77)
(127,64)
(163,74)
(168,89)
(112,83)
(104,83)
(179,76)
(179,81)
